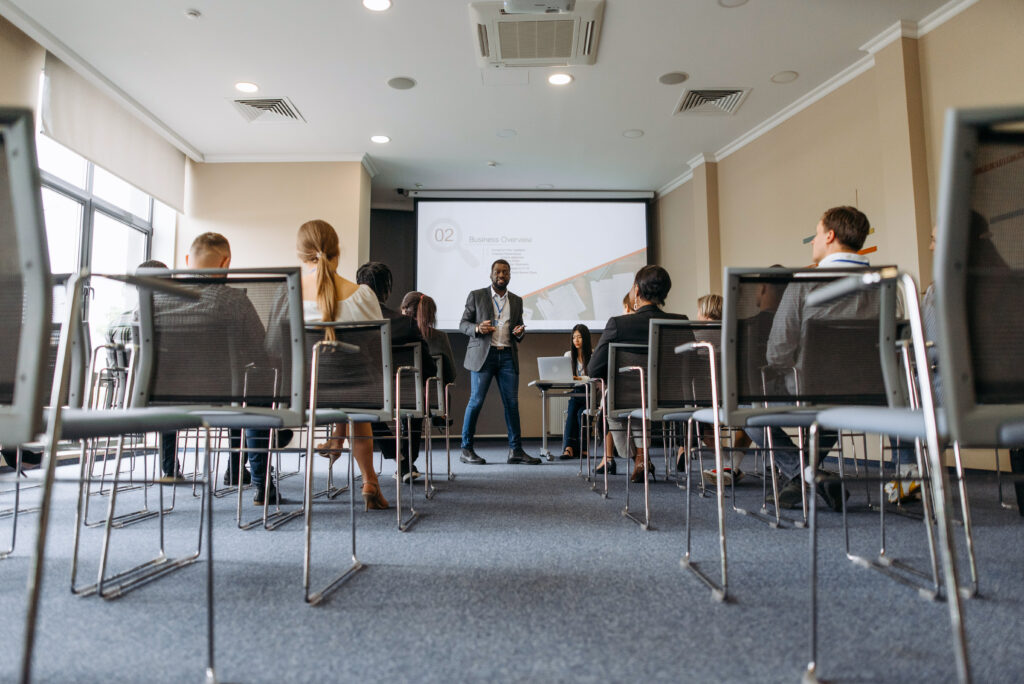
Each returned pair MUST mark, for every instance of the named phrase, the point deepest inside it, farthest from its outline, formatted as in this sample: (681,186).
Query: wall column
(906,223)
(707,251)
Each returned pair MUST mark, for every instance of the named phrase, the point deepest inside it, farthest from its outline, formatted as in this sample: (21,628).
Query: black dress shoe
(566,454)
(517,455)
(830,488)
(231,479)
(609,464)
(470,456)
(271,497)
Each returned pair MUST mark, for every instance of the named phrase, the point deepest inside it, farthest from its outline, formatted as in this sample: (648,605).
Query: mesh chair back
(675,379)
(24,282)
(80,345)
(355,380)
(979,273)
(777,349)
(624,388)
(236,343)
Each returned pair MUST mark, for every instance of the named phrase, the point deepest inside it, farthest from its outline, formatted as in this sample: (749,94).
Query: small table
(545,386)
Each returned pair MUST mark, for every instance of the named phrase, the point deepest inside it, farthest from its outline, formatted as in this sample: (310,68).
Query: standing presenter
(493,321)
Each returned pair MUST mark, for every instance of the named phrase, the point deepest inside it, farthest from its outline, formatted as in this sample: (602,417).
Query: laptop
(554,369)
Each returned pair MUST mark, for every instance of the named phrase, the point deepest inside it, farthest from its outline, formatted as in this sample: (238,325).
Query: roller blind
(81,117)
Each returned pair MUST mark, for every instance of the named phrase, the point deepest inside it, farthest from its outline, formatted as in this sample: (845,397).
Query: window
(98,221)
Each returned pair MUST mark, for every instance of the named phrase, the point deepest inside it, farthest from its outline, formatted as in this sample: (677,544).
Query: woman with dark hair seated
(579,352)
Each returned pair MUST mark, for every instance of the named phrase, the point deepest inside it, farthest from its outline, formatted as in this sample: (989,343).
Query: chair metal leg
(317,597)
(965,509)
(151,570)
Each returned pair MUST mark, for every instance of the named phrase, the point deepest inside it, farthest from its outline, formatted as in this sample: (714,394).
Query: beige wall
(974,60)
(675,247)
(260,206)
(22,61)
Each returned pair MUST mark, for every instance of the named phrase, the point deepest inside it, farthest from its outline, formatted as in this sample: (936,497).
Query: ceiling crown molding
(280,158)
(370,167)
(676,182)
(901,29)
(942,15)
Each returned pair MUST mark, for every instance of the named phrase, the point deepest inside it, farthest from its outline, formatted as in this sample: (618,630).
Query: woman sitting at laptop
(579,353)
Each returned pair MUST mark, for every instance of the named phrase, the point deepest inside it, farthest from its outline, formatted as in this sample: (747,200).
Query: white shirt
(361,305)
(502,334)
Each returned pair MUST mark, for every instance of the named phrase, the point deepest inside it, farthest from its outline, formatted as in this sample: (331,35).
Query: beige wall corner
(365,185)
(904,227)
(260,206)
(707,253)
(674,247)
(22,59)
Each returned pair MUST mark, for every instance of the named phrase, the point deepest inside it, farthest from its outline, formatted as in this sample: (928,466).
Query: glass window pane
(106,185)
(63,217)
(60,161)
(116,248)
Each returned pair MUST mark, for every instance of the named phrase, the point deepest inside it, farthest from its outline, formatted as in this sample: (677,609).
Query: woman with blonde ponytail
(326,296)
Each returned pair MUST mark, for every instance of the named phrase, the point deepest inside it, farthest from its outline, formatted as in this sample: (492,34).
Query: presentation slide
(571,262)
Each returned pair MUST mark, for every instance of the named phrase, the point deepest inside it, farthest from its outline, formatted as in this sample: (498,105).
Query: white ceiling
(332,58)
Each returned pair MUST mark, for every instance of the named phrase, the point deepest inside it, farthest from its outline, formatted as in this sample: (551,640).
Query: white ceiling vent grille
(712,101)
(547,37)
(268,110)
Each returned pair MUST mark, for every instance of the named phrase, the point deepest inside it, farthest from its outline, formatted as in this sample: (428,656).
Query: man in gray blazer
(493,321)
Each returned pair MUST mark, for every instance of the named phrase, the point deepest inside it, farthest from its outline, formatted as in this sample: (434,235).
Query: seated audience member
(377,276)
(326,296)
(121,334)
(245,333)
(579,352)
(650,287)
(422,310)
(709,308)
(608,462)
(839,235)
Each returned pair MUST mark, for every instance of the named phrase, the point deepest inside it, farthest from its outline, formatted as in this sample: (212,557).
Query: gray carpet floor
(514,574)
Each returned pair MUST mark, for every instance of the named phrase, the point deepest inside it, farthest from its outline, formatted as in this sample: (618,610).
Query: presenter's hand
(519,330)
(485,328)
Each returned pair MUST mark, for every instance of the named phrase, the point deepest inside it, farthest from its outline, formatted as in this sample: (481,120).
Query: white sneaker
(729,475)
(901,490)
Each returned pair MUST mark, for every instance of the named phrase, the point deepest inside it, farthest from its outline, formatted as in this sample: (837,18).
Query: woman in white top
(326,296)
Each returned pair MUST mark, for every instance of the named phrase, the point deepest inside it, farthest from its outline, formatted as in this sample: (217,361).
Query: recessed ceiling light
(418,185)
(492,164)
(559,79)
(673,77)
(784,77)
(246,87)
(729,4)
(381,139)
(545,186)
(377,5)
(402,83)
(507,133)
(193,14)
(633,133)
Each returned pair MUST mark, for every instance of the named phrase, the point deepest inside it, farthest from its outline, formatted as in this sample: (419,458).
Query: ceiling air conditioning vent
(268,110)
(712,101)
(546,37)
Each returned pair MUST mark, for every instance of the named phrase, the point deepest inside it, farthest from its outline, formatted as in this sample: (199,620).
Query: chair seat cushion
(897,422)
(784,419)
(1012,433)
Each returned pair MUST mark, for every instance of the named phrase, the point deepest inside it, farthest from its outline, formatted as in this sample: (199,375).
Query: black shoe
(284,436)
(831,489)
(790,495)
(566,454)
(609,464)
(470,456)
(517,455)
(271,496)
(176,475)
(231,479)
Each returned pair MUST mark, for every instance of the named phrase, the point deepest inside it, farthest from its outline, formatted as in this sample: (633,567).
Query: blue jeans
(498,365)
(254,439)
(571,432)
